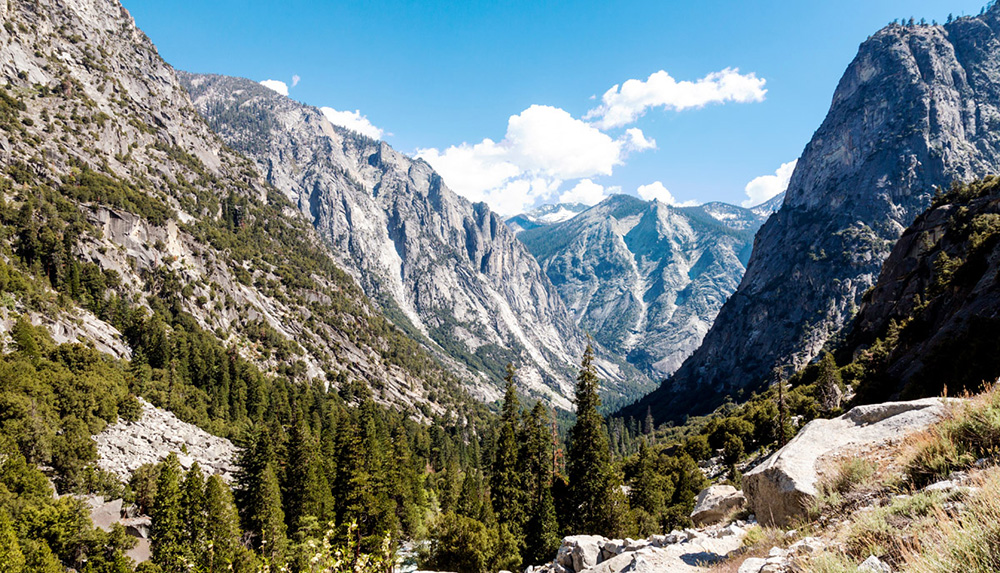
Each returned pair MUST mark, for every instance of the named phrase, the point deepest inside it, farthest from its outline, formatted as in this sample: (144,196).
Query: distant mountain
(770,206)
(447,270)
(545,215)
(644,278)
(918,108)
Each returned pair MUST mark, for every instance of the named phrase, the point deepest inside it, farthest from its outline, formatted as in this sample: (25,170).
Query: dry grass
(970,431)
(968,542)
(757,543)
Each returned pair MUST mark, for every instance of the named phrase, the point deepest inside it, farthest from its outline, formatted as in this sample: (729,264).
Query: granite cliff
(915,110)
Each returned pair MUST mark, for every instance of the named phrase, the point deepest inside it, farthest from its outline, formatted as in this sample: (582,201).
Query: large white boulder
(585,550)
(781,488)
(715,502)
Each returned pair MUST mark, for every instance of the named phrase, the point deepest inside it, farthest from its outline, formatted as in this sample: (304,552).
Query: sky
(521,103)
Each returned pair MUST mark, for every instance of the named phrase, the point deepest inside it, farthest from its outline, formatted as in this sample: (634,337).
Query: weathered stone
(752,565)
(874,565)
(125,446)
(586,550)
(715,502)
(138,526)
(780,489)
(105,514)
(731,529)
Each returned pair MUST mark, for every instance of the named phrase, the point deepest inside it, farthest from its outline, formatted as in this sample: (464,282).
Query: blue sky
(524,75)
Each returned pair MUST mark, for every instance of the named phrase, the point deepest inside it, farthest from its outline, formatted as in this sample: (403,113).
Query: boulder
(715,502)
(874,565)
(781,488)
(752,565)
(104,515)
(579,552)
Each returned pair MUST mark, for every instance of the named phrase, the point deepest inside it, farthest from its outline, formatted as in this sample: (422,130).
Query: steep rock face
(932,321)
(461,280)
(94,126)
(917,108)
(646,279)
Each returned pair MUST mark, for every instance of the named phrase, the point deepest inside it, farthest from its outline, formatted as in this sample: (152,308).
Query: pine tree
(541,531)
(589,457)
(829,382)
(270,522)
(647,491)
(258,497)
(779,378)
(193,512)
(222,526)
(506,479)
(470,500)
(11,557)
(167,530)
(304,481)
(406,485)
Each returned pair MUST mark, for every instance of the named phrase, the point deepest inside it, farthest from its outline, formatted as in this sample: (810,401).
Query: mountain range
(448,271)
(646,279)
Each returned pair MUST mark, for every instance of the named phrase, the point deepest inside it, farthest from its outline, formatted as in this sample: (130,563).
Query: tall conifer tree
(589,456)
(167,531)
(507,479)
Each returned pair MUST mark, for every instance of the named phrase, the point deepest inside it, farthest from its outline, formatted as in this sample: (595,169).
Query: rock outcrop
(715,503)
(645,278)
(935,310)
(688,551)
(780,490)
(125,446)
(918,107)
(449,271)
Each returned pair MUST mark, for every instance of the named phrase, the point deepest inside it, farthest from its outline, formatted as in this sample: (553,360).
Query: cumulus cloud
(656,190)
(762,188)
(295,80)
(352,120)
(622,105)
(276,85)
(543,147)
(586,192)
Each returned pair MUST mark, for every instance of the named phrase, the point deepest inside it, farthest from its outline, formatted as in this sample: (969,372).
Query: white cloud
(295,80)
(543,147)
(767,186)
(622,105)
(586,192)
(656,190)
(352,120)
(276,85)
(637,141)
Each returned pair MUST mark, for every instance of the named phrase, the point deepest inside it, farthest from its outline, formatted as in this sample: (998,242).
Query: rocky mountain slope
(917,108)
(451,271)
(932,321)
(644,278)
(123,203)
